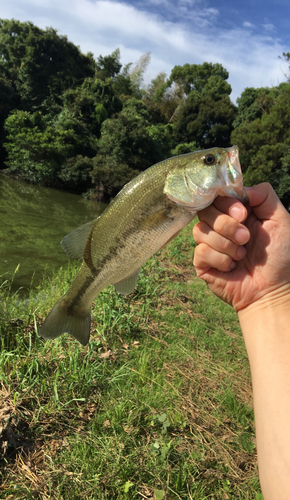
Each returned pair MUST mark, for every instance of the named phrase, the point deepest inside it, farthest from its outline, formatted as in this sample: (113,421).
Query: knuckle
(200,231)
(201,255)
(225,226)
(220,223)
(225,263)
(227,246)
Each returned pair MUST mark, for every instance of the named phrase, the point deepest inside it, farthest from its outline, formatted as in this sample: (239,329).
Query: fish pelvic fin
(59,321)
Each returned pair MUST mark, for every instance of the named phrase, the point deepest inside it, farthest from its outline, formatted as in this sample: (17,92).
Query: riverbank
(158,405)
(34,219)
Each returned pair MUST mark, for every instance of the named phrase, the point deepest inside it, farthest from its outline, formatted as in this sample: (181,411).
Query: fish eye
(209,159)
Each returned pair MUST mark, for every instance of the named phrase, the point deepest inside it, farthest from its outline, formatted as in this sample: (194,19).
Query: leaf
(159,494)
(162,417)
(127,486)
(105,355)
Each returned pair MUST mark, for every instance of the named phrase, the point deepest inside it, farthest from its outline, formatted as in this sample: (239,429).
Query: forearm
(266,330)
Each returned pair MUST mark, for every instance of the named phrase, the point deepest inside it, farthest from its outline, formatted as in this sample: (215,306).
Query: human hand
(244,253)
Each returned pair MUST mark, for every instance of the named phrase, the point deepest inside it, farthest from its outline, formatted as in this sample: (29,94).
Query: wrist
(266,323)
(274,302)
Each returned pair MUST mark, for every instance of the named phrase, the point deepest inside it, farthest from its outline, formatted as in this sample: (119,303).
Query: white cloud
(248,25)
(100,26)
(269,27)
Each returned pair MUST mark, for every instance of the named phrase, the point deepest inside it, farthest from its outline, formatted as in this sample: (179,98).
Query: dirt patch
(14,426)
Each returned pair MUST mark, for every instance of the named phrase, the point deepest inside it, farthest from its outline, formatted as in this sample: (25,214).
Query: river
(33,221)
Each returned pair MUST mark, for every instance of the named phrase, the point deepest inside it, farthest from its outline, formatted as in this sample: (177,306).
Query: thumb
(265,203)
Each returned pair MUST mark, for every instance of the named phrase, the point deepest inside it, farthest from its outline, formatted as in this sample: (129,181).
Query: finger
(231,207)
(202,233)
(225,225)
(206,258)
(265,202)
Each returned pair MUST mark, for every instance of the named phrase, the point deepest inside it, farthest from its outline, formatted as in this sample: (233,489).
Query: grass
(157,406)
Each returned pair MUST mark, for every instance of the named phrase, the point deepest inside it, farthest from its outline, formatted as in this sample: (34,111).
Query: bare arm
(245,259)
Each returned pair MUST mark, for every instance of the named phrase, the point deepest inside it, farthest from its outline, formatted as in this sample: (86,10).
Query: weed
(158,405)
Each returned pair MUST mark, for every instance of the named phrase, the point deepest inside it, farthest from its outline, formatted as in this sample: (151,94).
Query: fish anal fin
(128,284)
(75,242)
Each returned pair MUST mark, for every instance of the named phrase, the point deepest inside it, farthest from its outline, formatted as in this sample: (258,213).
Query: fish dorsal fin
(74,243)
(128,284)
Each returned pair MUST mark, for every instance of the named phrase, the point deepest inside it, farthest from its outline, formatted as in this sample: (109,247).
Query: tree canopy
(70,121)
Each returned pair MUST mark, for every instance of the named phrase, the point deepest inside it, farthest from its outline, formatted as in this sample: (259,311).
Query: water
(33,221)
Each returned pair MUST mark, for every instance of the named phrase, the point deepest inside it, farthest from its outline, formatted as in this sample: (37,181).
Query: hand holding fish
(250,269)
(244,262)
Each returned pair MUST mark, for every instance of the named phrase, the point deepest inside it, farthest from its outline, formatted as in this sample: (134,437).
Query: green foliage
(13,38)
(40,63)
(207,113)
(197,76)
(68,120)
(91,104)
(206,120)
(108,66)
(186,147)
(254,102)
(51,65)
(264,142)
(76,172)
(35,149)
(8,101)
(128,145)
(153,405)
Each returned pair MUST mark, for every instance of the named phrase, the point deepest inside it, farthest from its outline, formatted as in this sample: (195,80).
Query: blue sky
(245,37)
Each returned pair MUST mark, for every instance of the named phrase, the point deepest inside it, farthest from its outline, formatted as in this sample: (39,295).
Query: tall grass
(157,406)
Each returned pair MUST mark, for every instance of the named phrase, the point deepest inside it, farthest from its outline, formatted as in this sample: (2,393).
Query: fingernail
(241,252)
(237,212)
(233,265)
(241,236)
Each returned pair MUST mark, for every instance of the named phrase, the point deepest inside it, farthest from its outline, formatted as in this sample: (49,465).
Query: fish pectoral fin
(74,243)
(128,284)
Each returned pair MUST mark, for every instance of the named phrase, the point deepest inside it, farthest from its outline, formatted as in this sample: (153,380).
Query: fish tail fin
(59,321)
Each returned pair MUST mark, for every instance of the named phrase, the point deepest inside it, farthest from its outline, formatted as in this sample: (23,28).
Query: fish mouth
(242,198)
(234,176)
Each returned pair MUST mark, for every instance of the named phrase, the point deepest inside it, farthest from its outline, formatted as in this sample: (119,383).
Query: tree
(13,38)
(205,112)
(8,102)
(51,65)
(129,143)
(194,77)
(49,148)
(161,100)
(108,66)
(40,63)
(254,102)
(92,103)
(35,150)
(264,143)
(136,74)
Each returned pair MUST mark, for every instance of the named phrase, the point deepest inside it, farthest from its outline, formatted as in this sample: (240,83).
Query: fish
(142,218)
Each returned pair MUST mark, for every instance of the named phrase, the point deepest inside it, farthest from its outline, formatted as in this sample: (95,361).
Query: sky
(246,37)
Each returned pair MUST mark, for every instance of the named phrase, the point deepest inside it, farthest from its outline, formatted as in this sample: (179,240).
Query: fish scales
(144,216)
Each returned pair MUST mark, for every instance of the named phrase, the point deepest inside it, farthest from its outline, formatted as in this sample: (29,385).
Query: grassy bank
(157,406)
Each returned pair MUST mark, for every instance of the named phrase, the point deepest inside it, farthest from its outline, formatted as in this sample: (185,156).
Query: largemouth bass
(144,216)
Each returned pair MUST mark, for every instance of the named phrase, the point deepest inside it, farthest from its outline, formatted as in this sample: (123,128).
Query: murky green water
(33,221)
